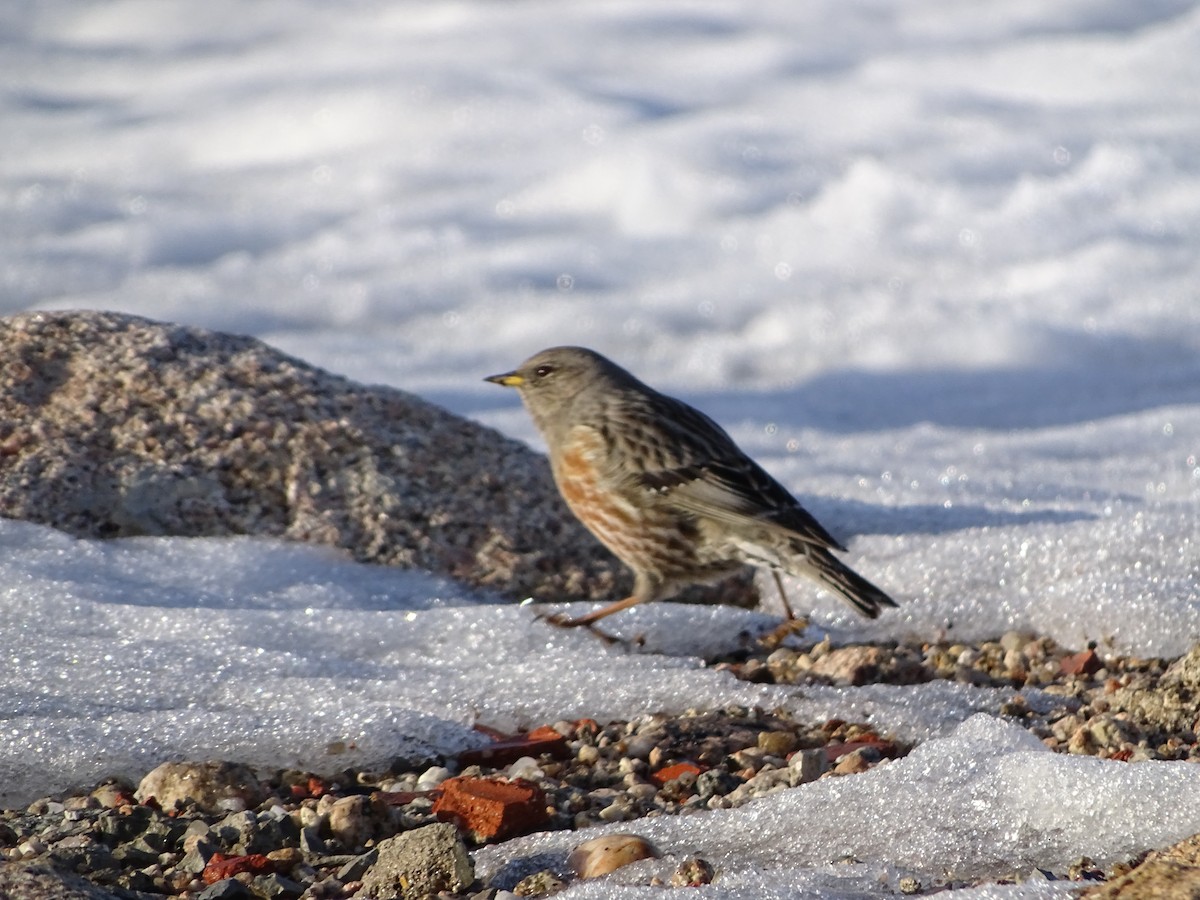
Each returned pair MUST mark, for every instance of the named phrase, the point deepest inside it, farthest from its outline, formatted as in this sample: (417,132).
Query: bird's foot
(561,620)
(781,632)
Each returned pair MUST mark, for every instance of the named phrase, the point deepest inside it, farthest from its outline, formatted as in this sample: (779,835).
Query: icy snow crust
(935,269)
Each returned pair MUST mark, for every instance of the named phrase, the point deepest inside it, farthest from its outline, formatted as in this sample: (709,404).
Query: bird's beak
(508,379)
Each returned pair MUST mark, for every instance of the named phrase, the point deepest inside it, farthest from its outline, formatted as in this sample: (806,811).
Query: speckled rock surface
(42,881)
(1170,874)
(114,425)
(211,786)
(1175,703)
(420,863)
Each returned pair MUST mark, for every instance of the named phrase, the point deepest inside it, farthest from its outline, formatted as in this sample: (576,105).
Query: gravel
(317,836)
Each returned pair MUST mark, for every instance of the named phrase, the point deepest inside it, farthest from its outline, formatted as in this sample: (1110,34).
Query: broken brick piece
(509,750)
(220,866)
(488,809)
(670,773)
(1085,663)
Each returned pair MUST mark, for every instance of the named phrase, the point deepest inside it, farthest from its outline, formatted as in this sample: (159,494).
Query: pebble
(602,855)
(539,884)
(351,822)
(211,786)
(693,872)
(711,759)
(432,778)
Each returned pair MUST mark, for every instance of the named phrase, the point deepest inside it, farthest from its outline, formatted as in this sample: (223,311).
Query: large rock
(1170,706)
(43,881)
(420,863)
(1170,874)
(116,425)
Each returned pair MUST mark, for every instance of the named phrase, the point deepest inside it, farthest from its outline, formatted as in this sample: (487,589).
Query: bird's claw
(561,620)
(781,632)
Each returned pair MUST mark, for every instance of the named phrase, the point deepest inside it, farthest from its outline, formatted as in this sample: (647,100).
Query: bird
(666,489)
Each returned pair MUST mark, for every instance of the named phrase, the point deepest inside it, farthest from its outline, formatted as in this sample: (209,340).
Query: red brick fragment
(494,733)
(670,773)
(403,798)
(508,750)
(1085,663)
(221,866)
(312,786)
(488,809)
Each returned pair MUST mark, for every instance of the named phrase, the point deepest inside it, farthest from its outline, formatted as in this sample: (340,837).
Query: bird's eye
(543,371)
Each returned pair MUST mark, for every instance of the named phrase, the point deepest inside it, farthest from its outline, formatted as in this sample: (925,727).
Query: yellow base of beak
(508,379)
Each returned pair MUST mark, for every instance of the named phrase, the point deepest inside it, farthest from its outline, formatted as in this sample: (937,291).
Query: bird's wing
(703,472)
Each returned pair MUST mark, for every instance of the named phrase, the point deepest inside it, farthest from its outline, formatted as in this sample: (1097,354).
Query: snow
(934,268)
(982,802)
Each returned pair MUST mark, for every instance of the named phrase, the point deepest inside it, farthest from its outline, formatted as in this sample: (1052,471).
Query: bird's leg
(783,594)
(789,626)
(591,618)
(644,590)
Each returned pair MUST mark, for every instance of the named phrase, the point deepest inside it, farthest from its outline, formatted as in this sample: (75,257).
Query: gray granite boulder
(114,425)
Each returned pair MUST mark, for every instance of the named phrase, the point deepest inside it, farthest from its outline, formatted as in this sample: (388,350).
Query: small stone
(640,745)
(112,794)
(127,823)
(30,848)
(852,763)
(1084,869)
(755,671)
(432,778)
(539,884)
(276,887)
(849,665)
(248,832)
(693,872)
(809,764)
(620,810)
(229,889)
(1085,663)
(311,842)
(1013,640)
(420,862)
(777,743)
(196,856)
(135,854)
(526,767)
(211,786)
(350,821)
(602,855)
(75,804)
(357,867)
(715,783)
(909,885)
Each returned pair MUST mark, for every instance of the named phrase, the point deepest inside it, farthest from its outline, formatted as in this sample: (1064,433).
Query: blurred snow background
(935,265)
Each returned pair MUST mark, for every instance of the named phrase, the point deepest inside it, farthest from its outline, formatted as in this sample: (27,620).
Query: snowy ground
(935,266)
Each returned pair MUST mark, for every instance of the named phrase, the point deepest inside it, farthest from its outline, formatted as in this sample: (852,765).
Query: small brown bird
(665,488)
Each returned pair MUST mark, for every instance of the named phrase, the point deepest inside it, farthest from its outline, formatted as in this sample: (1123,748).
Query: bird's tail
(843,581)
